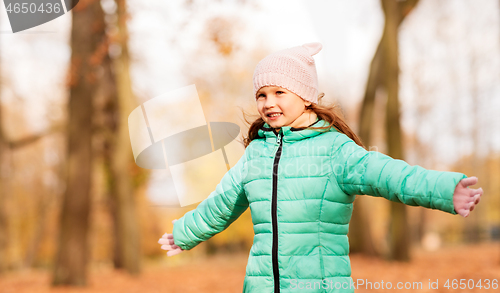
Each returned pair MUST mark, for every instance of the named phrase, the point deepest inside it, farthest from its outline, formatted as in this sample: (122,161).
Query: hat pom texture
(293,68)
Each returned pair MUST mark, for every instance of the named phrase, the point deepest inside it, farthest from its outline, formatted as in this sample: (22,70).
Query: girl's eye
(260,95)
(280,92)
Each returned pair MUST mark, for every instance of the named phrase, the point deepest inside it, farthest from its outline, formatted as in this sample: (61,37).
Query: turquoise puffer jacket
(300,185)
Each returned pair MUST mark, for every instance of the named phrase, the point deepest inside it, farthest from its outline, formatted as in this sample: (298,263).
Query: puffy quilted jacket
(300,185)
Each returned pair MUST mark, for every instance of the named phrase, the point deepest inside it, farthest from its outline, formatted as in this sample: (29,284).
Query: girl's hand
(465,199)
(167,241)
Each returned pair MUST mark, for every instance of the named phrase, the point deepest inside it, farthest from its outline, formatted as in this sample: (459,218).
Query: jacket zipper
(274,219)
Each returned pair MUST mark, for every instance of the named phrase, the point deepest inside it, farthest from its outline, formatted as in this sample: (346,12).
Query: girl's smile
(274,116)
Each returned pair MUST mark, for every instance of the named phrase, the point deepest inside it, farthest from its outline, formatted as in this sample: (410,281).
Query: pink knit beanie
(293,69)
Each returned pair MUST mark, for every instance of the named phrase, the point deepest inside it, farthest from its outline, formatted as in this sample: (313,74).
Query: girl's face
(289,107)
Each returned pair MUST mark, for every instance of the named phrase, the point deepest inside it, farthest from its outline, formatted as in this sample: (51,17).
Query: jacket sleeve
(359,171)
(214,214)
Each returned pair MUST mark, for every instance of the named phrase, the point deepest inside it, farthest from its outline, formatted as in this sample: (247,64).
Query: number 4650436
(32,8)
(471,284)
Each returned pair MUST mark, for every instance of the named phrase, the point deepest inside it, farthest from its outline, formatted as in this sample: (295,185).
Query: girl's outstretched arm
(359,171)
(167,241)
(464,198)
(214,214)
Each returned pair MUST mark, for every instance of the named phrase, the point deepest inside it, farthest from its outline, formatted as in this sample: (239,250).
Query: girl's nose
(270,102)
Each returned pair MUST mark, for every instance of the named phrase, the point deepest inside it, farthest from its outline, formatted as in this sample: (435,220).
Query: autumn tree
(87,37)
(3,174)
(119,159)
(383,73)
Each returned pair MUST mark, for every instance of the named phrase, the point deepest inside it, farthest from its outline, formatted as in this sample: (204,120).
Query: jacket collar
(292,133)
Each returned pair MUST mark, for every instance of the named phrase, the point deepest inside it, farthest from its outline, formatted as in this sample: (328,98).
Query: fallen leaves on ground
(225,273)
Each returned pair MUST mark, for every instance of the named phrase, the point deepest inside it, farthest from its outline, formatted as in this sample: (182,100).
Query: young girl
(300,172)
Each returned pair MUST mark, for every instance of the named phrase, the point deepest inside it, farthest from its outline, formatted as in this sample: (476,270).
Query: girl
(300,172)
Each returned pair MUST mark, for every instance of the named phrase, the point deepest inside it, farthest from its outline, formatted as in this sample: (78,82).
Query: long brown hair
(331,113)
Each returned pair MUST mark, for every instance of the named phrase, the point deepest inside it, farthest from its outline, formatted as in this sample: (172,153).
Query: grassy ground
(225,273)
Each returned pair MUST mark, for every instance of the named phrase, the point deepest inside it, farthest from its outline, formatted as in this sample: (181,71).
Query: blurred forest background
(418,80)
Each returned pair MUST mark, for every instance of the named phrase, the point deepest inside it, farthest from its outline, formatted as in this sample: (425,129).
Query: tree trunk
(3,194)
(108,130)
(360,239)
(70,266)
(399,229)
(127,242)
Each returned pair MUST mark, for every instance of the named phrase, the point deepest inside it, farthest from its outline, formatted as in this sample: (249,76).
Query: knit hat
(293,69)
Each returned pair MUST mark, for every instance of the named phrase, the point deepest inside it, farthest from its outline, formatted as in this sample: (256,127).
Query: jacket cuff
(449,181)
(180,237)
